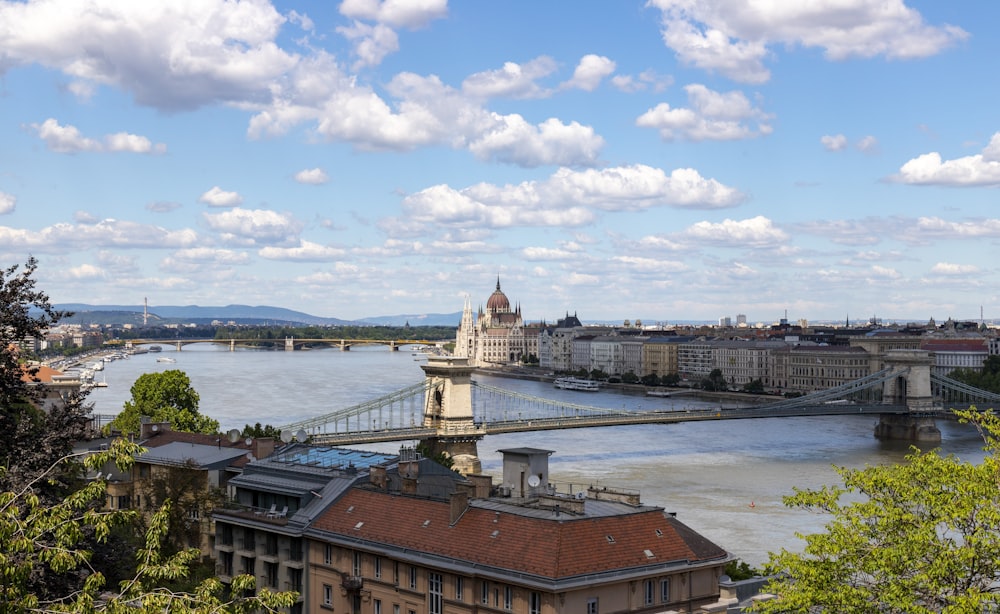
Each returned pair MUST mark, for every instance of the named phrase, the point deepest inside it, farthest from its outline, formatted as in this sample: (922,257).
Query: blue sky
(665,160)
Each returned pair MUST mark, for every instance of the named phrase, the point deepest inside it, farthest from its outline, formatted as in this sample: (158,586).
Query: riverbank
(538,374)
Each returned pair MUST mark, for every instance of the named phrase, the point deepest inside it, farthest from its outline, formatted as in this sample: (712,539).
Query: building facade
(496,335)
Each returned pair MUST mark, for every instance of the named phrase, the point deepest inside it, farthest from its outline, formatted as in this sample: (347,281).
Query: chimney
(263,447)
(377,476)
(409,485)
(148,429)
(459,503)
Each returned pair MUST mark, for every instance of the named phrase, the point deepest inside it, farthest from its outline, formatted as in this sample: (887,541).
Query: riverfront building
(368,533)
(496,336)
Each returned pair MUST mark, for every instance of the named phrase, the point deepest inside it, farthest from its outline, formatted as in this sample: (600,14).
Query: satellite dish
(248,440)
(233,435)
(285,435)
(301,435)
(533,481)
(155,427)
(581,495)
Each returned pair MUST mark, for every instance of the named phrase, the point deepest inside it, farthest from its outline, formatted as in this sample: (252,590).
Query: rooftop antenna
(145,311)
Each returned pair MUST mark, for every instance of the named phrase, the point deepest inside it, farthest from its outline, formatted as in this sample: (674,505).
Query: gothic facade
(495,336)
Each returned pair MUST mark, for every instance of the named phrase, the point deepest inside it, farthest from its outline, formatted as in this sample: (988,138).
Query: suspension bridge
(450,412)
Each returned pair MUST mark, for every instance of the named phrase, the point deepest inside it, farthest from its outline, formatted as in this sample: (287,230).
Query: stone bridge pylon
(448,409)
(911,387)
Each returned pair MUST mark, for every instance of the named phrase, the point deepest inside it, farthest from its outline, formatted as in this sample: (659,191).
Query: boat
(155,348)
(576,383)
(165,359)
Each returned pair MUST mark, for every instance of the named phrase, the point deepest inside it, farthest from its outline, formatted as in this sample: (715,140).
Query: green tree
(754,386)
(165,397)
(630,378)
(917,538)
(48,536)
(715,382)
(651,379)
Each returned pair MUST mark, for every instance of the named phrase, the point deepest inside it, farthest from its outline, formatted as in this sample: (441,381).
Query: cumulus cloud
(373,42)
(711,116)
(306,251)
(254,226)
(868,144)
(589,73)
(837,142)
(69,139)
(209,255)
(513,80)
(982,169)
(163,206)
(732,37)
(567,198)
(513,140)
(949,268)
(7,203)
(217,197)
(754,232)
(647,79)
(109,233)
(312,176)
(171,56)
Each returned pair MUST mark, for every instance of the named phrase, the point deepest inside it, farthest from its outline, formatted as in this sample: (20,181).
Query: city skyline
(663,160)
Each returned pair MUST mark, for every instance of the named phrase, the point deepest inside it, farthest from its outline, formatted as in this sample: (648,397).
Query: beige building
(496,336)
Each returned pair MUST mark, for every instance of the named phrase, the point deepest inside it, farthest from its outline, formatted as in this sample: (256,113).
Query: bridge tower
(289,344)
(911,387)
(448,408)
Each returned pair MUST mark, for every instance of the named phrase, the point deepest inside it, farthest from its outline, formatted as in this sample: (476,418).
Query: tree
(164,397)
(754,386)
(27,527)
(630,378)
(919,537)
(715,382)
(650,379)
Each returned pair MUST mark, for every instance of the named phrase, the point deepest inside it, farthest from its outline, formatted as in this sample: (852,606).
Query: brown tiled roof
(555,547)
(43,375)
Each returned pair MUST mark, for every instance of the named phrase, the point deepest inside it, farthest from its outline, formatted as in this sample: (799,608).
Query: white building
(496,336)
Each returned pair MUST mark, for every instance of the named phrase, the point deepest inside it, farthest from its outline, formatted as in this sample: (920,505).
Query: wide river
(725,479)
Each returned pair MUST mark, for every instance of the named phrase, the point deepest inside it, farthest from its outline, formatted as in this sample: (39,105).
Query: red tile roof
(553,547)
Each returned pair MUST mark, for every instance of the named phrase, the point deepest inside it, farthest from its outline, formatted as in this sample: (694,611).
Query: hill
(164,314)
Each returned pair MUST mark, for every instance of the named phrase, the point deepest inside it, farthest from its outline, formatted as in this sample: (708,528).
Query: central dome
(498,300)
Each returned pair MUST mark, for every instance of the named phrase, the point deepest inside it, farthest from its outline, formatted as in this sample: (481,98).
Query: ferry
(576,383)
(155,348)
(165,359)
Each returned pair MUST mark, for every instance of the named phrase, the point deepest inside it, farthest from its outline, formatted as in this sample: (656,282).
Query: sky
(666,160)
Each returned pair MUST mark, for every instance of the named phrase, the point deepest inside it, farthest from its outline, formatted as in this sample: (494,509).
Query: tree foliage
(715,382)
(986,379)
(166,396)
(34,535)
(918,537)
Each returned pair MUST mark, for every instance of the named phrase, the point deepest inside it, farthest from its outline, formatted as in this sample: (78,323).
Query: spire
(498,283)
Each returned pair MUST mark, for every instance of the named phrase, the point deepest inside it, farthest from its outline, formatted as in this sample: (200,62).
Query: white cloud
(732,37)
(589,73)
(312,176)
(169,55)
(754,232)
(979,170)
(210,255)
(162,206)
(513,80)
(7,203)
(217,197)
(948,268)
(836,142)
(868,144)
(711,116)
(306,251)
(639,264)
(647,79)
(108,233)
(372,43)
(551,143)
(254,226)
(69,139)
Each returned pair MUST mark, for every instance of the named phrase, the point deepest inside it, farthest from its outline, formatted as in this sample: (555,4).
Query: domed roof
(498,300)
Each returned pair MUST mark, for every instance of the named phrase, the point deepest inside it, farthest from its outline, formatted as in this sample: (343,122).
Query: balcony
(351,583)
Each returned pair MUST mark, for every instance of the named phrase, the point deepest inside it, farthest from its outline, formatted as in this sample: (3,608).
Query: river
(724,479)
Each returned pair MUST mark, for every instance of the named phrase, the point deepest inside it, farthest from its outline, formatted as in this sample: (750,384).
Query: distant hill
(423,319)
(241,314)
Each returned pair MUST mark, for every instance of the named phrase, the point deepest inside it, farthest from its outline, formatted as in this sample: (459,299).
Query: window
(248,565)
(227,535)
(327,554)
(508,598)
(413,577)
(328,595)
(378,567)
(271,573)
(459,587)
(535,603)
(665,590)
(226,562)
(434,593)
(647,592)
(484,592)
(271,544)
(356,568)
(592,605)
(377,606)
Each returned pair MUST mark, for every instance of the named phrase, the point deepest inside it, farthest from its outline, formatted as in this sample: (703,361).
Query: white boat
(576,383)
(165,359)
